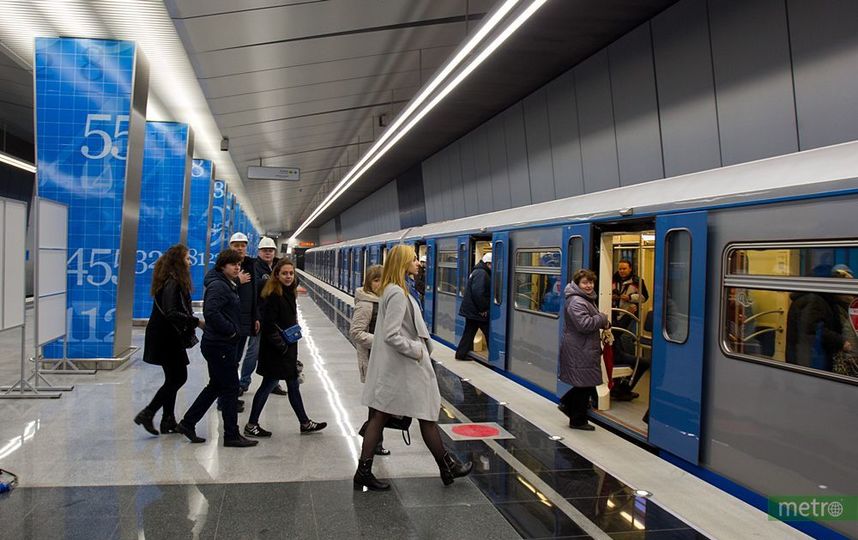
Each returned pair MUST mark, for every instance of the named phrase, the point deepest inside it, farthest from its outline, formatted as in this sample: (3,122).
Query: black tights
(175,376)
(377,419)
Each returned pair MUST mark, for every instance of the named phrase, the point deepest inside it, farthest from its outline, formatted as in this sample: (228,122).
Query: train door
(429,287)
(420,280)
(357,269)
(577,250)
(626,257)
(470,251)
(677,368)
(499,300)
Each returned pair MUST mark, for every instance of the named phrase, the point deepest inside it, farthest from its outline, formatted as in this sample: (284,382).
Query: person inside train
(420,280)
(249,315)
(170,331)
(222,315)
(845,361)
(263,265)
(475,306)
(278,358)
(628,292)
(362,330)
(581,348)
(400,380)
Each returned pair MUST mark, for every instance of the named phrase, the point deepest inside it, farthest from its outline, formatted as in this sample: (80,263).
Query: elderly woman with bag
(278,353)
(170,331)
(581,348)
(400,380)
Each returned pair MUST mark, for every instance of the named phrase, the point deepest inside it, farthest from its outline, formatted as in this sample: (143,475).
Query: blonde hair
(395,266)
(372,273)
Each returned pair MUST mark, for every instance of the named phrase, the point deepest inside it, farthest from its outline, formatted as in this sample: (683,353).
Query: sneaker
(240,442)
(280,391)
(256,431)
(311,426)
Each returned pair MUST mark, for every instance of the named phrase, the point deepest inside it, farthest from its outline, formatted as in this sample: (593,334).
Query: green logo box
(814,508)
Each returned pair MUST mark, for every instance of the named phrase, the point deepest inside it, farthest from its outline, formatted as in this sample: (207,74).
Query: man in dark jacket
(262,266)
(475,306)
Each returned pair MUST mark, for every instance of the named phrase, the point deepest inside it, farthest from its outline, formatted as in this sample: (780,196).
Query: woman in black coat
(170,330)
(278,360)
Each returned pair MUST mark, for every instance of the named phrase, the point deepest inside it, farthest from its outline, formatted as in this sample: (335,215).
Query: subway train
(746,330)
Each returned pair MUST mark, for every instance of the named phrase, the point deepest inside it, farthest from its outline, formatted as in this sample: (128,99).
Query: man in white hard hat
(249,320)
(475,306)
(263,264)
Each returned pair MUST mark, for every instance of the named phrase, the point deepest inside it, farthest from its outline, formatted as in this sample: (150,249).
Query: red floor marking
(473,430)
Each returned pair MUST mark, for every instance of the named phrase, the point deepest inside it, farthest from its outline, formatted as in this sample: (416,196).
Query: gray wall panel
(469,175)
(455,172)
(516,154)
(636,107)
(565,145)
(483,168)
(429,191)
(539,146)
(596,122)
(328,233)
(683,68)
(825,63)
(496,138)
(445,186)
(753,82)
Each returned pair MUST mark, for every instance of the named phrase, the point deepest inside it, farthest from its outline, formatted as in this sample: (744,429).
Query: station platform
(88,472)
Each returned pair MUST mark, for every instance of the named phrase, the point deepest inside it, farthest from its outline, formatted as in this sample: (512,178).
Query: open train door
(463,252)
(499,300)
(429,291)
(677,335)
(577,253)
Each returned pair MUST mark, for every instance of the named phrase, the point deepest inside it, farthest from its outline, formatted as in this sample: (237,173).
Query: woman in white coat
(400,380)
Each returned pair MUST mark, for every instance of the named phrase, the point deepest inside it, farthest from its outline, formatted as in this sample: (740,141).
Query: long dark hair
(273,285)
(171,265)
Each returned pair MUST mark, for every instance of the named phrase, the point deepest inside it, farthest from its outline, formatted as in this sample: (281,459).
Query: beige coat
(401,379)
(360,331)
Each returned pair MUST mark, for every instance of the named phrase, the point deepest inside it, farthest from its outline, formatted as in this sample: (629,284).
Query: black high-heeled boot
(452,468)
(144,418)
(365,478)
(168,424)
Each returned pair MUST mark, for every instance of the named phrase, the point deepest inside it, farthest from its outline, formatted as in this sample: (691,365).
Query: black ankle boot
(144,418)
(365,478)
(168,423)
(452,468)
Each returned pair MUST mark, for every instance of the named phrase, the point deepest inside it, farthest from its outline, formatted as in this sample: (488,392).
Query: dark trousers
(223,383)
(239,350)
(268,385)
(467,341)
(175,376)
(577,401)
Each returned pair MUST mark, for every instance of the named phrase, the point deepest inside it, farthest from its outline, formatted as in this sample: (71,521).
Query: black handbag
(394,422)
(187,339)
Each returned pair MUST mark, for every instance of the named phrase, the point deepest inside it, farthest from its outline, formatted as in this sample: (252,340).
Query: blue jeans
(265,389)
(250,358)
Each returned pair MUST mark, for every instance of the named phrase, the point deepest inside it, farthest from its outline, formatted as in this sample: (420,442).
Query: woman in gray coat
(400,380)
(581,348)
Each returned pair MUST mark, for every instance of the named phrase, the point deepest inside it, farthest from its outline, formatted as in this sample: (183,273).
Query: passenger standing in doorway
(581,348)
(475,306)
(420,281)
(263,265)
(169,332)
(278,360)
(628,292)
(222,313)
(362,330)
(249,315)
(401,380)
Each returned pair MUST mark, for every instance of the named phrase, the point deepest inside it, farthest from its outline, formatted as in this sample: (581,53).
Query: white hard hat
(266,243)
(238,237)
(487,258)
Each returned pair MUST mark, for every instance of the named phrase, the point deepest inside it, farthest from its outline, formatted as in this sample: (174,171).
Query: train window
(538,287)
(575,249)
(498,274)
(677,285)
(793,305)
(447,272)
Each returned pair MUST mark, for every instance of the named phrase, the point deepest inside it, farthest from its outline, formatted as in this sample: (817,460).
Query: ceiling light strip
(371,158)
(18,163)
(448,68)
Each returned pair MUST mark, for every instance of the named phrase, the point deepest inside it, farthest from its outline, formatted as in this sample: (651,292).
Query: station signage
(288,174)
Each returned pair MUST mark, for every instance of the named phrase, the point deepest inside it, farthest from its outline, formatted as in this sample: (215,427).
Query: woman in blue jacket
(221,312)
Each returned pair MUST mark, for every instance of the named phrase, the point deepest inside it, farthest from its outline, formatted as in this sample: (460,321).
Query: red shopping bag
(608,358)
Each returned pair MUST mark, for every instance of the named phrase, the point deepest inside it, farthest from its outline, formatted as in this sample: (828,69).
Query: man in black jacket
(475,306)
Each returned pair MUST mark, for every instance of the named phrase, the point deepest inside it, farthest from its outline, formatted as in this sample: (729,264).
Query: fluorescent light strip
(472,43)
(359,169)
(15,162)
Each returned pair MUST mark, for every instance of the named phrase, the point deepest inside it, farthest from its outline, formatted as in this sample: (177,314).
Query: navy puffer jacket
(221,309)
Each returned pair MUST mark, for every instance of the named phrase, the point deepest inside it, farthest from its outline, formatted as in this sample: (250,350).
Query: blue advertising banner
(200,222)
(217,240)
(90,101)
(163,212)
(229,221)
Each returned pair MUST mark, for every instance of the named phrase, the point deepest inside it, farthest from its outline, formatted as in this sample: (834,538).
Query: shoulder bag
(188,339)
